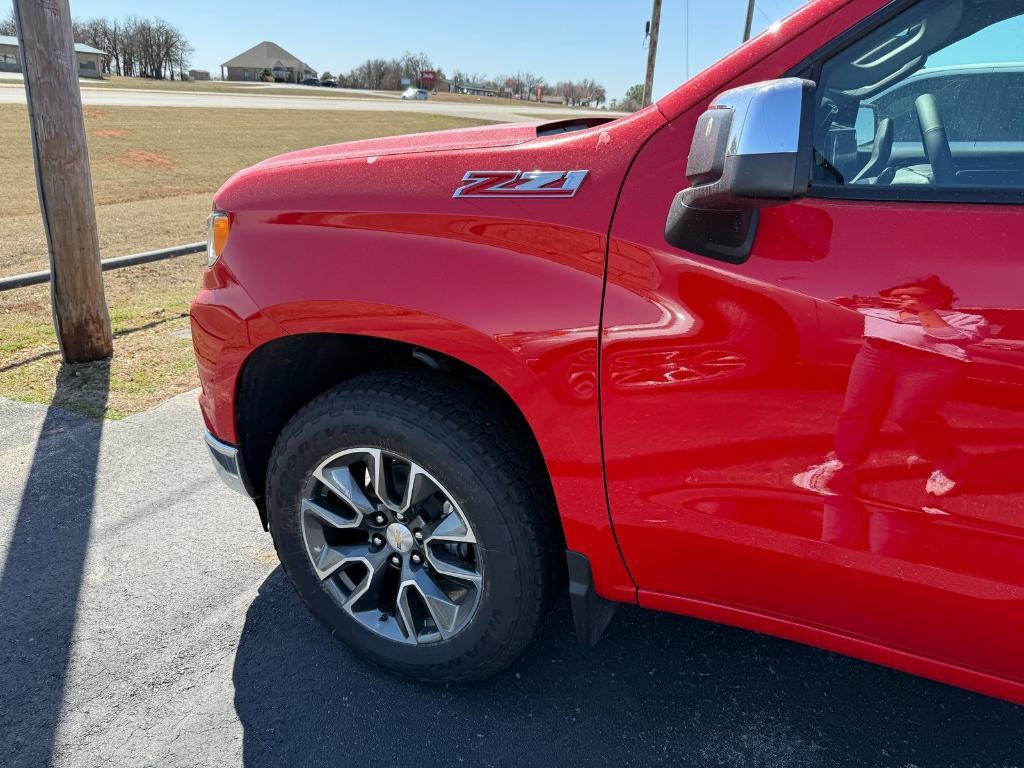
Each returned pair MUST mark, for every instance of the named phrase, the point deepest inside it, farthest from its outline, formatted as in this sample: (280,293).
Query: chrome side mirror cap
(751,149)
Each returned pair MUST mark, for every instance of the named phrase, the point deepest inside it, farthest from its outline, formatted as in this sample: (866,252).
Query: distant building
(475,89)
(552,98)
(90,60)
(266,56)
(198,74)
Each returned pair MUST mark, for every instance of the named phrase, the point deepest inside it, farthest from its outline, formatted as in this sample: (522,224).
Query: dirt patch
(110,133)
(141,158)
(94,113)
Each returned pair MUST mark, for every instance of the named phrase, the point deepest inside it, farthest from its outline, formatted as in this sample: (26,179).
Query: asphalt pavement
(486,109)
(144,621)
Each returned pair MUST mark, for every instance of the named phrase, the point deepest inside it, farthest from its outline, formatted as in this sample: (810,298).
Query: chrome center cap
(399,537)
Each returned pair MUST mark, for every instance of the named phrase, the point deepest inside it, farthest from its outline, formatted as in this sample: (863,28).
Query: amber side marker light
(218,227)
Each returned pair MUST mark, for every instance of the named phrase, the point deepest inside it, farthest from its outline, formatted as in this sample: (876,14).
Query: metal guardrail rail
(35,278)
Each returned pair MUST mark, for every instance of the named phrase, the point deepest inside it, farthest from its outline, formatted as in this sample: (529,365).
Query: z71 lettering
(529,184)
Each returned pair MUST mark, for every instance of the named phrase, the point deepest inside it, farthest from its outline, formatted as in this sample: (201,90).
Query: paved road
(144,621)
(486,110)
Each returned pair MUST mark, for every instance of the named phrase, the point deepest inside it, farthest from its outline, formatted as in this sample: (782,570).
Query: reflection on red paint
(722,383)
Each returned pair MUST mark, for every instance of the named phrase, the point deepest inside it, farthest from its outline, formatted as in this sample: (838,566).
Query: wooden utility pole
(750,20)
(63,179)
(652,52)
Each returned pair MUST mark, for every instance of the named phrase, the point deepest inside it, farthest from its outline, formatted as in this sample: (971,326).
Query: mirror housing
(751,149)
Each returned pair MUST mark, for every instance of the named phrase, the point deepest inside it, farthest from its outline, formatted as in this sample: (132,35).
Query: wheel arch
(265,399)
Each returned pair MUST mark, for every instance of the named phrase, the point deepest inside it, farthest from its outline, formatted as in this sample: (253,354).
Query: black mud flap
(590,612)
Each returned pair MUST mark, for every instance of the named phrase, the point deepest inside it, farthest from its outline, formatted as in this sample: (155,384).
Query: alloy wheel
(391,546)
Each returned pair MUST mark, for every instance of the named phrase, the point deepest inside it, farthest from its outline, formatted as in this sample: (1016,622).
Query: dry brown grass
(154,173)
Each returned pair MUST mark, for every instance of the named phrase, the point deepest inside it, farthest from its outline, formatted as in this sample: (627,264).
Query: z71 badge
(524,184)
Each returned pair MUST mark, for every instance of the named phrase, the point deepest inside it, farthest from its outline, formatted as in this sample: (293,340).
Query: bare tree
(371,74)
(381,74)
(568,90)
(7,24)
(152,48)
(461,77)
(113,44)
(412,64)
(529,83)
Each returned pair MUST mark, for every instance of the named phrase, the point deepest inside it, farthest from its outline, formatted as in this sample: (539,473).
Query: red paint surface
(717,383)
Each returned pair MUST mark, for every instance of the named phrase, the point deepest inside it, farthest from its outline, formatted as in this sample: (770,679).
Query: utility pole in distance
(63,178)
(750,20)
(652,52)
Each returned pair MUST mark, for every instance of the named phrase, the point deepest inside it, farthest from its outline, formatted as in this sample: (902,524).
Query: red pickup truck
(753,354)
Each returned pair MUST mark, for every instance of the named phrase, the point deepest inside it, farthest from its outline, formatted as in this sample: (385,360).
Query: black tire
(476,449)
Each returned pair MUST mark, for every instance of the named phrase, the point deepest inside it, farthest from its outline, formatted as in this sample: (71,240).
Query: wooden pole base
(63,178)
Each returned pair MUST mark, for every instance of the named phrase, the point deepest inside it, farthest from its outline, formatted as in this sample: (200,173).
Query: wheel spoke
(456,571)
(376,565)
(404,615)
(419,488)
(330,557)
(378,478)
(451,527)
(316,513)
(443,610)
(342,483)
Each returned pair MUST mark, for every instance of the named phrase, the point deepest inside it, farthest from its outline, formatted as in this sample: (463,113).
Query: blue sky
(559,39)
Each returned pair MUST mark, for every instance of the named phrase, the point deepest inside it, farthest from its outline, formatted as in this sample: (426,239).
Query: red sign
(427,77)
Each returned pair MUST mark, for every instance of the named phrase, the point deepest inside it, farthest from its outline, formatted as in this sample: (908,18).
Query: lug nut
(395,560)
(379,519)
(418,534)
(400,517)
(378,540)
(416,557)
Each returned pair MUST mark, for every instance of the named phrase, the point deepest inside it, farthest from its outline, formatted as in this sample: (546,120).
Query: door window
(926,106)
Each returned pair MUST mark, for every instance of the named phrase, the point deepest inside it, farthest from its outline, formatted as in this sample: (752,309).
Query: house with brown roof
(249,65)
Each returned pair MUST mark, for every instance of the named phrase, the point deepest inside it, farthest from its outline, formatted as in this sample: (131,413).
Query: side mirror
(751,149)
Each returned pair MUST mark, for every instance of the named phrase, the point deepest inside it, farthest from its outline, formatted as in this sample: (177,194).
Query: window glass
(955,67)
(1006,95)
(865,126)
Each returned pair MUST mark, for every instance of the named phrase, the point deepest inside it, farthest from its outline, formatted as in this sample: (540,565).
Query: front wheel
(408,516)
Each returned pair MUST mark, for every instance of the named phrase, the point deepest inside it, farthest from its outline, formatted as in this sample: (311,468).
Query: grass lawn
(154,173)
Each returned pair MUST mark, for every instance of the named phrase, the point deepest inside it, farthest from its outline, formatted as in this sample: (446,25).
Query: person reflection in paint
(914,352)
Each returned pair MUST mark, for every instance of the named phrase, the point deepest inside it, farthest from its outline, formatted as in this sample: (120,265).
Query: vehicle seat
(880,151)
(911,174)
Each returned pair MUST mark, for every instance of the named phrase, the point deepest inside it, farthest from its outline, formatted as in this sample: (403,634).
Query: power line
(686,38)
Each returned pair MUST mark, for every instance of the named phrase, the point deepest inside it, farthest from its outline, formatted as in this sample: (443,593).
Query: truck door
(730,392)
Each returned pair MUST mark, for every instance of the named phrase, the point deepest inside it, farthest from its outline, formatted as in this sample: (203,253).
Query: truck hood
(459,138)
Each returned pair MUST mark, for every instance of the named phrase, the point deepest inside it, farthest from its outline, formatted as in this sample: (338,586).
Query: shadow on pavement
(659,689)
(43,569)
